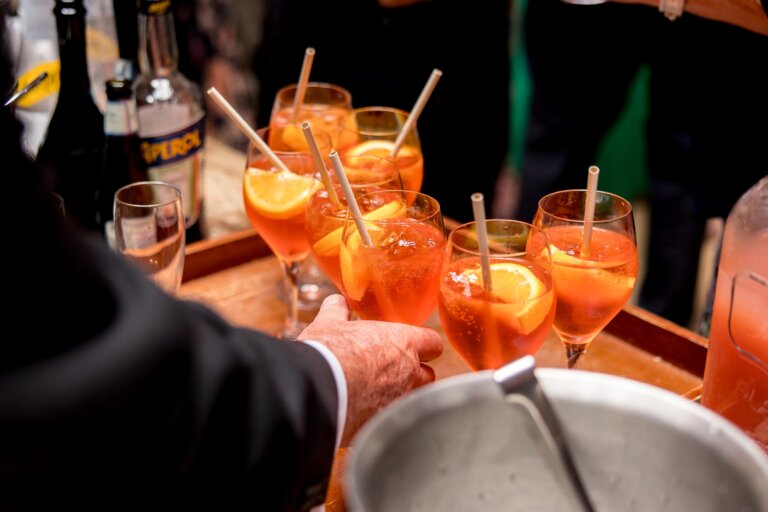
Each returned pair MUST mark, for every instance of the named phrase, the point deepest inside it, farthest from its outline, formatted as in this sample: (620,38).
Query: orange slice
(278,195)
(329,244)
(572,272)
(382,148)
(522,296)
(355,272)
(294,139)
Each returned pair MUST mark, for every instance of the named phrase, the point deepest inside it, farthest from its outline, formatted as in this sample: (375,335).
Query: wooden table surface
(237,276)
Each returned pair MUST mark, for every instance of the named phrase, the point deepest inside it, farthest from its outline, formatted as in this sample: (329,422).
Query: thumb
(333,309)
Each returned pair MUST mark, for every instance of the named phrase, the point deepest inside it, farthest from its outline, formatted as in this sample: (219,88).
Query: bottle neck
(70,25)
(121,118)
(158,53)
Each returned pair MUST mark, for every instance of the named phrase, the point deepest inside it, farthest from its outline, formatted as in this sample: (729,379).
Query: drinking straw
(318,158)
(589,210)
(354,209)
(25,90)
(426,92)
(482,238)
(301,85)
(246,129)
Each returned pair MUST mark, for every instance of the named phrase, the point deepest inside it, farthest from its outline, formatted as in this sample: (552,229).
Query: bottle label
(121,118)
(154,7)
(177,159)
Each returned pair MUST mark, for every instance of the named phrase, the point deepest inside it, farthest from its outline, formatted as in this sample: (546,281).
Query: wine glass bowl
(490,327)
(324,107)
(592,281)
(325,220)
(396,277)
(373,131)
(149,229)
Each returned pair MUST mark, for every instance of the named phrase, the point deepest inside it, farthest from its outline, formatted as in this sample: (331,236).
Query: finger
(429,344)
(333,309)
(425,375)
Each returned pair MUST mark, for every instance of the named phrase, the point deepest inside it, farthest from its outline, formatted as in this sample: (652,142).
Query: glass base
(314,287)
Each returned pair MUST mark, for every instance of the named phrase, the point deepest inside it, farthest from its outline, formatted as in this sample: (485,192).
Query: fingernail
(333,300)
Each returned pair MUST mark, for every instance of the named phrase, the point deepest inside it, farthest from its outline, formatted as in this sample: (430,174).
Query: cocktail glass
(324,107)
(396,277)
(325,220)
(149,229)
(592,283)
(491,327)
(373,131)
(275,202)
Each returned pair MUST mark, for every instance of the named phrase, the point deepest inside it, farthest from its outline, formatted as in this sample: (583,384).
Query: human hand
(381,360)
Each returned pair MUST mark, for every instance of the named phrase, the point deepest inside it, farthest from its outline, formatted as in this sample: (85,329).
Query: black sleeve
(117,396)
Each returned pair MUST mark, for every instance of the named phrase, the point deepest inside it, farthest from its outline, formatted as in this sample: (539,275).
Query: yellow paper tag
(50,85)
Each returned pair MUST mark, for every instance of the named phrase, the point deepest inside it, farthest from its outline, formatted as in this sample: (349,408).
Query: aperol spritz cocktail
(373,131)
(491,326)
(325,219)
(275,202)
(325,106)
(592,282)
(396,277)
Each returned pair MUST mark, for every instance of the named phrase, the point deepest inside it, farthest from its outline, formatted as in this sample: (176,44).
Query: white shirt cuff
(341,386)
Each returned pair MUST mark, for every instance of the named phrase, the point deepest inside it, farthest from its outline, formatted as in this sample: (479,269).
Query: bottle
(126,17)
(171,113)
(71,153)
(122,160)
(736,372)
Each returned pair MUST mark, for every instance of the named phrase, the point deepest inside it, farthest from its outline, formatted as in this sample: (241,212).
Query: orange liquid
(321,117)
(486,331)
(409,161)
(324,218)
(735,385)
(590,291)
(285,237)
(398,278)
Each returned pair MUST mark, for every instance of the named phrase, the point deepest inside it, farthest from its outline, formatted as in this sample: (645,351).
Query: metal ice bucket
(457,445)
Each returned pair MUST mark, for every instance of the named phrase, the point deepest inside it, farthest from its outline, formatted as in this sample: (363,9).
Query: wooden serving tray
(237,276)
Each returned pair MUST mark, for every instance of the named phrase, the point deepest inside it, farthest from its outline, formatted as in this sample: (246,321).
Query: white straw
(246,129)
(482,237)
(416,110)
(301,85)
(354,209)
(589,210)
(318,158)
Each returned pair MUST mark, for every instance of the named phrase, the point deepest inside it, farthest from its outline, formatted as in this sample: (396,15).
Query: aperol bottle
(171,113)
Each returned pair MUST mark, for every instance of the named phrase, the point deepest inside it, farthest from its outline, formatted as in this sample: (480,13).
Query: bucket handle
(520,386)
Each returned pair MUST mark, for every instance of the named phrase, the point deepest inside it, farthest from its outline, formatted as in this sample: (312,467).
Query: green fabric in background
(622,154)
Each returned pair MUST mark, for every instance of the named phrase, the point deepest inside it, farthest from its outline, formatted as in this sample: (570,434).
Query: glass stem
(292,324)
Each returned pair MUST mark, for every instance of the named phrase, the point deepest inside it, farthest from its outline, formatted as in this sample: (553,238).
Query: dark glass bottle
(122,160)
(71,153)
(171,113)
(126,22)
